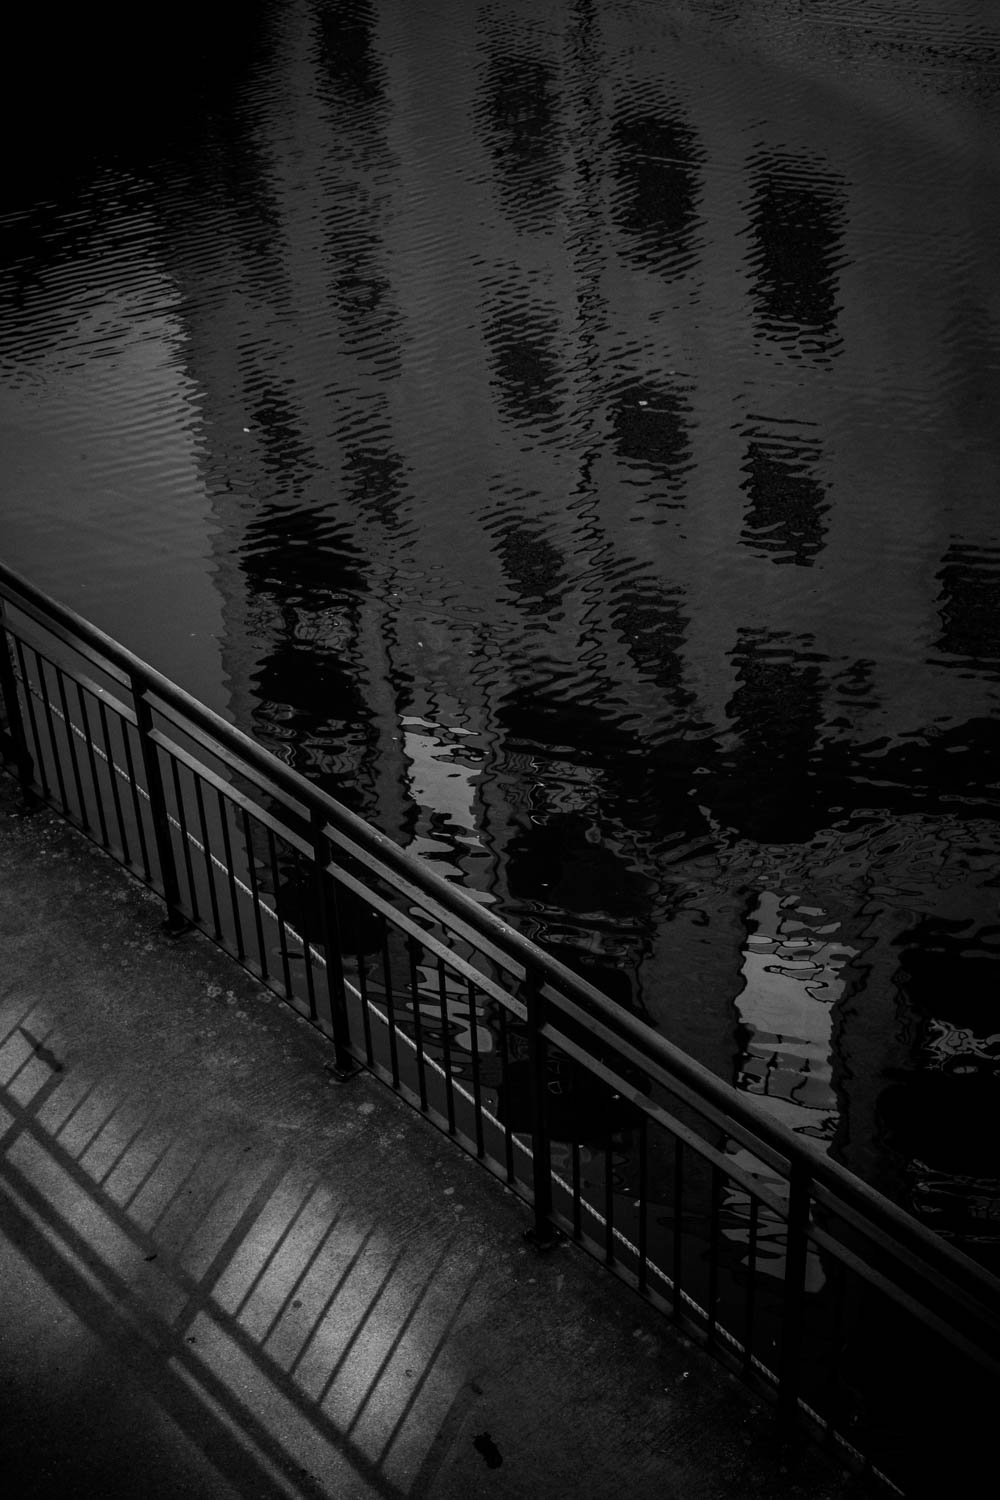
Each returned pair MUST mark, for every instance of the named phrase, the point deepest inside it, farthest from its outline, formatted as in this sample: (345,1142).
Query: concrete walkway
(223,1275)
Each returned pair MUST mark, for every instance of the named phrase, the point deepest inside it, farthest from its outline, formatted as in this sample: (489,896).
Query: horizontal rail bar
(368,841)
(708,1212)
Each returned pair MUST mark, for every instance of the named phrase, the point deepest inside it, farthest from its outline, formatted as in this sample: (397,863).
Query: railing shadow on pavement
(859,1322)
(271,1320)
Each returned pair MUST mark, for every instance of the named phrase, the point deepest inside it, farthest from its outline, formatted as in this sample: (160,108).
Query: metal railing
(816,1289)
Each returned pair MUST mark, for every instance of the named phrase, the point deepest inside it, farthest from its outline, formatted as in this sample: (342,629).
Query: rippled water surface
(569,434)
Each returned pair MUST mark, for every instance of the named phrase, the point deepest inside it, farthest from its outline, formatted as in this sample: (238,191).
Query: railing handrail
(717,1096)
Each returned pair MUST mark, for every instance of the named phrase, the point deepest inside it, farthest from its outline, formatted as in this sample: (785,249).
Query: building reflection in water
(522,336)
(658,163)
(772,792)
(939,1114)
(970,606)
(796,223)
(651,424)
(543,533)
(793,974)
(784,518)
(519,110)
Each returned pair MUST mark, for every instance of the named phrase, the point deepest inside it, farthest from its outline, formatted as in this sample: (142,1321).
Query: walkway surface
(224,1275)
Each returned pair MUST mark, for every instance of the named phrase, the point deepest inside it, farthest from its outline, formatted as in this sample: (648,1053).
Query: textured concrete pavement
(224,1275)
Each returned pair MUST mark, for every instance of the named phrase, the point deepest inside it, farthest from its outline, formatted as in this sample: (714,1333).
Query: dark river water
(568,432)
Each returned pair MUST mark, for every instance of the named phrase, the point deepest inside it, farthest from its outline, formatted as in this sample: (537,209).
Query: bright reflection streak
(793,972)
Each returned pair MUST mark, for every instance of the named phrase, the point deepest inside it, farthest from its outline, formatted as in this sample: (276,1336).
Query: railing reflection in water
(822,1294)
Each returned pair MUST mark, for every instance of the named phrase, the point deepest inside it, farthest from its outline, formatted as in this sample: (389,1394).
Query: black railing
(820,1292)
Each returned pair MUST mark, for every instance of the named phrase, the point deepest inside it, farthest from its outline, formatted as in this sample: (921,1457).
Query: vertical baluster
(88,740)
(449,1086)
(714,1212)
(609,1194)
(336,990)
(390,1007)
(366,1015)
(793,1290)
(418,1031)
(477,1087)
(32,720)
(543,1233)
(508,1139)
(837,1413)
(116,800)
(50,726)
(12,710)
(147,868)
(206,844)
(751,1297)
(677,1258)
(258,920)
(185,841)
(234,900)
(71,743)
(272,853)
(176,919)
(643,1204)
(305,933)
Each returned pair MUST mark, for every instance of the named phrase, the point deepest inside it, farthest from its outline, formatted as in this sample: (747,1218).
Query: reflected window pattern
(653,623)
(365,303)
(518,113)
(377,483)
(304,586)
(283,447)
(969,605)
(352,193)
(771,792)
(797,218)
(522,339)
(658,159)
(570,870)
(349,54)
(535,568)
(785,517)
(651,422)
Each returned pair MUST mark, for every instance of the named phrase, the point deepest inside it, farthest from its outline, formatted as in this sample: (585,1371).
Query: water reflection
(652,431)
(311,702)
(445,764)
(523,339)
(939,1114)
(479,362)
(534,565)
(349,54)
(969,603)
(773,794)
(658,160)
(520,113)
(796,215)
(784,520)
(792,977)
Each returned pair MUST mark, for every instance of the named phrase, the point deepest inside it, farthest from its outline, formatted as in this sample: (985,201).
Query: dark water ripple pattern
(569,433)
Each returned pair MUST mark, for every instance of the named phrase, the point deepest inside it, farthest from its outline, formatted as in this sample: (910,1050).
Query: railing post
(15,719)
(345,1064)
(176,922)
(543,1233)
(793,1299)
